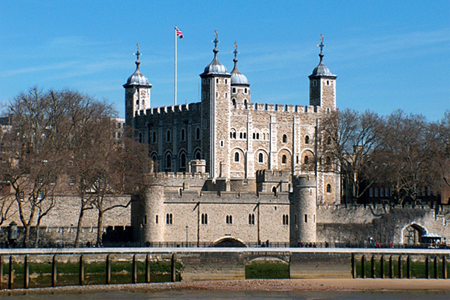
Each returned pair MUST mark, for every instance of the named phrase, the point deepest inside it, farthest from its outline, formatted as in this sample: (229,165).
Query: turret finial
(235,52)
(137,55)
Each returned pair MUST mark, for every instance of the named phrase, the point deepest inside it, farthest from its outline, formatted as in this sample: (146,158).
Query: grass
(267,270)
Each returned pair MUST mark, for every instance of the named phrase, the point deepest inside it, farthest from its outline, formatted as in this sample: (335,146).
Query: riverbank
(254,285)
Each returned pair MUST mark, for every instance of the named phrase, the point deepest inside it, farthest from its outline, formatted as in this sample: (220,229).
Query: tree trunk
(79,224)
(99,227)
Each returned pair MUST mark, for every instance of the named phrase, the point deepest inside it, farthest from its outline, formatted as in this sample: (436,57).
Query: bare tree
(350,138)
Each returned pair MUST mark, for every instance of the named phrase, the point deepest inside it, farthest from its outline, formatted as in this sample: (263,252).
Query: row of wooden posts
(81,278)
(400,274)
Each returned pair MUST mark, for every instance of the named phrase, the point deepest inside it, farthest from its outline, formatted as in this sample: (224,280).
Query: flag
(179,32)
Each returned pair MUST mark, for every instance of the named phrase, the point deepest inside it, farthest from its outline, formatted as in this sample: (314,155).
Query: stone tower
(137,93)
(304,209)
(216,116)
(322,84)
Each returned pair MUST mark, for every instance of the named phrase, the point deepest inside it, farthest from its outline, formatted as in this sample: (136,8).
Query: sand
(257,285)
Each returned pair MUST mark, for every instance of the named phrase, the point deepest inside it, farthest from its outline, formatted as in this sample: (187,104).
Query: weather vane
(216,41)
(137,53)
(321,43)
(235,49)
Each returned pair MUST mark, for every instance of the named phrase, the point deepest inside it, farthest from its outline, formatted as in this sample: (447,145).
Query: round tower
(137,92)
(305,209)
(322,84)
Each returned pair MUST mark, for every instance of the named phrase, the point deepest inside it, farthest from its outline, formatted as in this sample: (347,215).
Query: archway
(228,242)
(411,234)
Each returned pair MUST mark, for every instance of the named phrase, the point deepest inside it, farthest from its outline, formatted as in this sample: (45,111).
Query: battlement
(287,108)
(442,209)
(179,175)
(173,109)
(272,176)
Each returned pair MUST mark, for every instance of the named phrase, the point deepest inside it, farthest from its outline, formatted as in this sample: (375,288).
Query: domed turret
(321,70)
(137,78)
(215,67)
(237,78)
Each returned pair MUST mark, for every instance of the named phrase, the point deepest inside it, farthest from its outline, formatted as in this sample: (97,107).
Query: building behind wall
(229,164)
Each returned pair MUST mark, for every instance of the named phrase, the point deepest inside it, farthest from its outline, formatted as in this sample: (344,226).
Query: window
(236,157)
(283,159)
(226,81)
(329,141)
(234,103)
(140,137)
(156,219)
(285,219)
(306,218)
(328,160)
(229,219)
(234,90)
(226,95)
(183,135)
(168,162)
(221,144)
(245,104)
(154,137)
(168,136)
(169,219)
(261,158)
(306,160)
(217,80)
(284,138)
(307,140)
(251,219)
(198,155)
(144,221)
(314,83)
(274,191)
(245,91)
(328,188)
(197,133)
(183,160)
(204,219)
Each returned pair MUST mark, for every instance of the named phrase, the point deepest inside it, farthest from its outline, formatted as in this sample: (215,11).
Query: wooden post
(372,266)
(444,266)
(147,268)
(108,269)
(11,272)
(391,267)
(400,267)
(134,270)
(81,279)
(382,266)
(1,272)
(54,271)
(26,272)
(427,267)
(174,268)
(435,267)
(408,267)
(353,266)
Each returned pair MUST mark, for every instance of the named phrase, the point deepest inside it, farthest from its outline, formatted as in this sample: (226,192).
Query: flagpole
(175,87)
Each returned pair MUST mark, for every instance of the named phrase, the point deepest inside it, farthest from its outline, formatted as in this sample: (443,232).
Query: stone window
(168,162)
(245,91)
(168,135)
(251,219)
(261,158)
(144,221)
(284,138)
(221,143)
(329,141)
(156,219)
(226,81)
(197,133)
(328,188)
(274,191)
(328,160)
(234,90)
(306,160)
(169,219)
(183,160)
(307,139)
(306,218)
(226,95)
(314,83)
(140,137)
(245,104)
(236,157)
(229,219)
(283,159)
(204,219)
(198,155)
(233,101)
(217,80)
(183,134)
(285,219)
(295,219)
(153,136)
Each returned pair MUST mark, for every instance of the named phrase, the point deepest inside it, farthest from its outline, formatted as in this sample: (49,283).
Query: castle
(240,170)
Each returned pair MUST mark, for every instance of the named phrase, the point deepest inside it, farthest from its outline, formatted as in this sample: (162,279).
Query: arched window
(183,160)
(283,159)
(328,188)
(183,134)
(245,104)
(234,90)
(306,139)
(328,160)
(306,160)
(260,158)
(168,162)
(236,157)
(284,138)
(168,136)
(197,133)
(233,101)
(198,155)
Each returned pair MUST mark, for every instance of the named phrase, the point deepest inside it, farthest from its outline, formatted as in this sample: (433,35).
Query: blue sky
(388,55)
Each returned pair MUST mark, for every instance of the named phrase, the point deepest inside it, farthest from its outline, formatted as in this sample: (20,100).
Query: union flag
(179,32)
